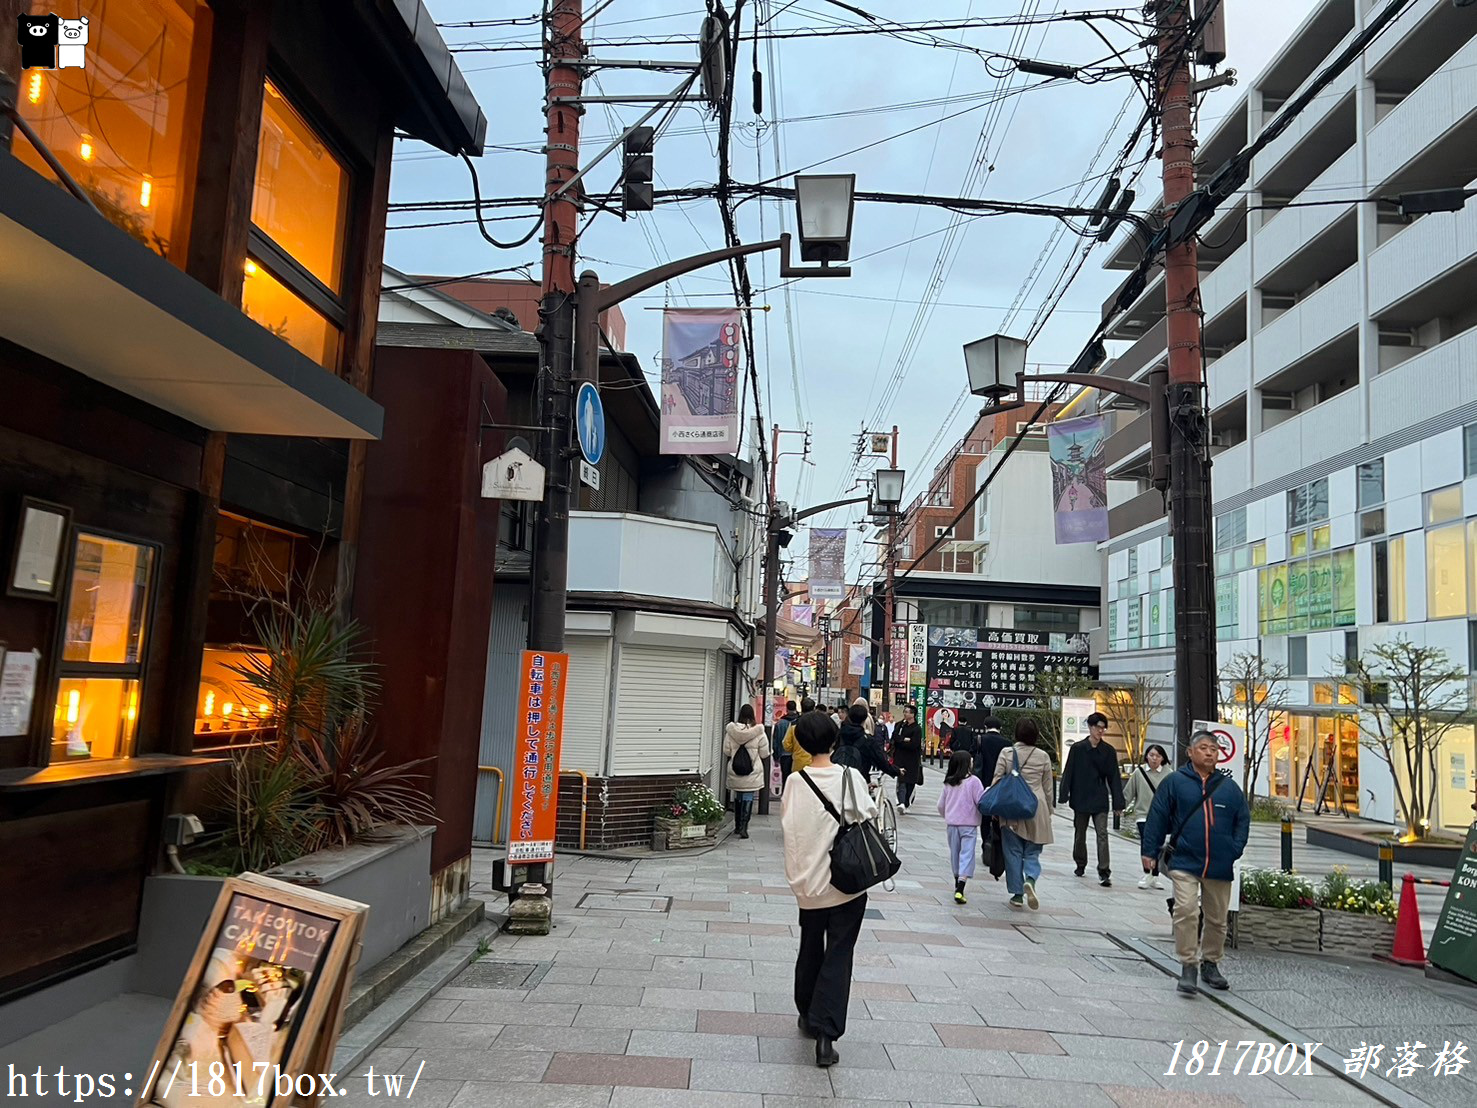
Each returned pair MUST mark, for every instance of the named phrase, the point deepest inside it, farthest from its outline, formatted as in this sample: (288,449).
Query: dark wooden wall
(425,570)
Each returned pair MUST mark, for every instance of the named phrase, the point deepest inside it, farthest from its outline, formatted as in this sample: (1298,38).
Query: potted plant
(1358,916)
(1278,911)
(690,819)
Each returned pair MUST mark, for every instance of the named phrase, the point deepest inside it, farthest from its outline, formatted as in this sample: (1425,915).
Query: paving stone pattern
(975,1005)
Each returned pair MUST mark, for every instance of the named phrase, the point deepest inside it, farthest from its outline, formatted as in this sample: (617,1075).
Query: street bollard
(1287,846)
(1387,866)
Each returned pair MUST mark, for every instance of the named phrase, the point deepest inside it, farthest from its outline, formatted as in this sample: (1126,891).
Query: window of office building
(299,222)
(1063,620)
(1230,529)
(1308,504)
(1389,580)
(1469,449)
(1314,593)
(101,667)
(1370,478)
(123,120)
(1444,505)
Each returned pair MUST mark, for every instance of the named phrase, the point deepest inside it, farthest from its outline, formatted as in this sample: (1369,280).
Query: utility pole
(1189,460)
(770,600)
(888,601)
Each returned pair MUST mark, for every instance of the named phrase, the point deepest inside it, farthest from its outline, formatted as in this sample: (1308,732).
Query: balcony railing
(1419,255)
(1309,437)
(1443,377)
(1229,376)
(1311,118)
(1310,324)
(1425,117)
(1292,229)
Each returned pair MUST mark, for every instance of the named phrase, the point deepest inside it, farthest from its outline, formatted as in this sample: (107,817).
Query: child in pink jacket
(959,805)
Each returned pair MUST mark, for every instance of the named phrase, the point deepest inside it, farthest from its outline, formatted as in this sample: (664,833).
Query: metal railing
(584,798)
(497,823)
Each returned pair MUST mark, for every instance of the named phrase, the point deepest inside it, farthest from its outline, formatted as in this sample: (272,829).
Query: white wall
(647,556)
(1021,532)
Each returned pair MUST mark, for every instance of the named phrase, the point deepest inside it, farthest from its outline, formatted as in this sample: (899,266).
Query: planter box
(1355,933)
(1297,930)
(1431,852)
(672,834)
(393,877)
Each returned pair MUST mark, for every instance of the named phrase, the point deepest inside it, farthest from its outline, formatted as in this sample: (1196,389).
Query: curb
(1383,1091)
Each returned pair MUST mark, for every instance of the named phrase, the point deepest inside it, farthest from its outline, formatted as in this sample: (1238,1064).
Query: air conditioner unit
(1279,401)
(1220,438)
(943,532)
(1025,426)
(1398,338)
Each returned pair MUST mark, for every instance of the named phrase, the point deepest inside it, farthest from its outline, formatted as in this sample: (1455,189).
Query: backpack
(742,763)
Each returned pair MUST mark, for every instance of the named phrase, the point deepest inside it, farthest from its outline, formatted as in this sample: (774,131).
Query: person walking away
(859,750)
(1143,783)
(745,746)
(907,755)
(799,759)
(1022,839)
(869,722)
(781,729)
(986,758)
(959,805)
(1089,781)
(830,920)
(964,739)
(1202,816)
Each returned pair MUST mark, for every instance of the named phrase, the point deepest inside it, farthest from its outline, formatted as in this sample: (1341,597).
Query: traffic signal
(636,190)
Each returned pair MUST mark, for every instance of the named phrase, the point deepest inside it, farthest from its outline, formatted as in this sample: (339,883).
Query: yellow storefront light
(84,148)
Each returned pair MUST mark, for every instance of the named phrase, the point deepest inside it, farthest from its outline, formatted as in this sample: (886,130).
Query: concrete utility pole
(1189,460)
(889,601)
(770,601)
(556,324)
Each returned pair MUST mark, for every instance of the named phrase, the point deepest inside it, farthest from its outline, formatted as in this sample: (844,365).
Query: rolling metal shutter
(663,706)
(586,701)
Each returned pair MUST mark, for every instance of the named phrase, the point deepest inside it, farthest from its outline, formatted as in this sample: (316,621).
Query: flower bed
(1356,933)
(1282,911)
(690,819)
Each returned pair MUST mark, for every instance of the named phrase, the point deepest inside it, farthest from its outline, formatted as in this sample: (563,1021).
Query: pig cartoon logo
(71,49)
(37,35)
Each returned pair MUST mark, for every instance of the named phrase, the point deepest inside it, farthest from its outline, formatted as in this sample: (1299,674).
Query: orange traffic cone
(1409,949)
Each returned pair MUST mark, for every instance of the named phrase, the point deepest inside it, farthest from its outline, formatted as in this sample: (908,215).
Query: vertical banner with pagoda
(700,381)
(1079,479)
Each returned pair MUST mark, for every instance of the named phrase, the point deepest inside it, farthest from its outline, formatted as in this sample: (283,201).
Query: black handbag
(860,856)
(1166,852)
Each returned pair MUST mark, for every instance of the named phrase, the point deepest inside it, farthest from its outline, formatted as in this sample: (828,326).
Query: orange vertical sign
(536,762)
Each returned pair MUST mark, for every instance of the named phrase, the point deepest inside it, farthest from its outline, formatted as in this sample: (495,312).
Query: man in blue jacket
(1203,814)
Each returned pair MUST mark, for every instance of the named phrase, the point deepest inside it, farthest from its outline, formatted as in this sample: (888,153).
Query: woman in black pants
(830,920)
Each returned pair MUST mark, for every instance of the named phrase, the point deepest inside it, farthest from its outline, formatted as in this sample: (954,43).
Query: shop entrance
(1315,762)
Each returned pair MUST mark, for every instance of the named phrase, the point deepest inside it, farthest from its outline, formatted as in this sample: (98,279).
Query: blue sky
(862,352)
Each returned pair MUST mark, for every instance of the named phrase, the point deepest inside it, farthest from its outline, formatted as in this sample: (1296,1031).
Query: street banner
(783,656)
(827,563)
(700,381)
(803,614)
(1454,943)
(536,758)
(857,658)
(1079,479)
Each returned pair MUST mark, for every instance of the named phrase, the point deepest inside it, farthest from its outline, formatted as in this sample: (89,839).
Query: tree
(1259,688)
(1132,705)
(1413,695)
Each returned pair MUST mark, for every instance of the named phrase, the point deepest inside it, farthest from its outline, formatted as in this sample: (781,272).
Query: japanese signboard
(827,563)
(917,654)
(536,758)
(971,668)
(700,393)
(1454,943)
(264,995)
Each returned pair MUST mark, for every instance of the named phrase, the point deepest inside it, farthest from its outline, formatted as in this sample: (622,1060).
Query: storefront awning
(80,291)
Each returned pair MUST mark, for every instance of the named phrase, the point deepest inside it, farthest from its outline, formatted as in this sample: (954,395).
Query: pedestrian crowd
(998,796)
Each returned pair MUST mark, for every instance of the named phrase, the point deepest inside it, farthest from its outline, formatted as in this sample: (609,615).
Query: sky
(883,347)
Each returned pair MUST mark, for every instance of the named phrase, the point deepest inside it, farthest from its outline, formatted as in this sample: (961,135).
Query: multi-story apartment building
(1341,366)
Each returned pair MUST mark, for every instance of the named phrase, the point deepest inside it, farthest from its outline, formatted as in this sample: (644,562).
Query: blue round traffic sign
(589,423)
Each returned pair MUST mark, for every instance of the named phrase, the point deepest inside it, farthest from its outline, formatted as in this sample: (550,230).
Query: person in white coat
(830,920)
(746,735)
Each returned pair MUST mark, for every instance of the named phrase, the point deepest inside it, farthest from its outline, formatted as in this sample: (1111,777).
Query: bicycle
(886,810)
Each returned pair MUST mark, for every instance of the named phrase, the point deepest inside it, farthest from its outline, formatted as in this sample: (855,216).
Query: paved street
(667,982)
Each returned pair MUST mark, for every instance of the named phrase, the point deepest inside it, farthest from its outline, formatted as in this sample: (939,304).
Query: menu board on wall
(996,667)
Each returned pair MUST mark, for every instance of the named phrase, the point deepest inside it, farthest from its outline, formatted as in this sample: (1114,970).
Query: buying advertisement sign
(700,381)
(1079,478)
(983,668)
(827,563)
(535,778)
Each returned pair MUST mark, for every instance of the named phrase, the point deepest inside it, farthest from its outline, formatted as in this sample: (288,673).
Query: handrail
(584,797)
(497,824)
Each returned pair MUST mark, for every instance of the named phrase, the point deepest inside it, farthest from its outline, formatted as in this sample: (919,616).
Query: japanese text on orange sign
(536,763)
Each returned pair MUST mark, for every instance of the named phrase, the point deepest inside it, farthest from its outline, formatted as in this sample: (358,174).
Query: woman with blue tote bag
(1022,835)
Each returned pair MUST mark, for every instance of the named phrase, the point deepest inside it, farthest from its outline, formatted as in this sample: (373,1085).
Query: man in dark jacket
(859,750)
(1204,814)
(780,729)
(907,753)
(963,739)
(990,746)
(1089,779)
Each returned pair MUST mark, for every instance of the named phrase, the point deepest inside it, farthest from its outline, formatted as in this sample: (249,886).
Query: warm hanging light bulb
(227,708)
(263,709)
(84,149)
(209,704)
(132,713)
(33,87)
(146,191)
(74,703)
(250,268)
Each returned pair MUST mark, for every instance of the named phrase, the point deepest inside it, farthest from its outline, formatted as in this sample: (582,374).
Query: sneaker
(1145,880)
(1032,902)
(959,898)
(902,808)
(1106,882)
(1080,871)
(1211,974)
(1017,902)
(1158,882)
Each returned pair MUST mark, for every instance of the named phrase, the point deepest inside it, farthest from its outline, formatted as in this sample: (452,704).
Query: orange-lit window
(107,604)
(299,215)
(126,121)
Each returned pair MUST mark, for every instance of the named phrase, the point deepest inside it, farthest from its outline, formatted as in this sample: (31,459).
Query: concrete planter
(676,834)
(1356,933)
(1296,930)
(393,877)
